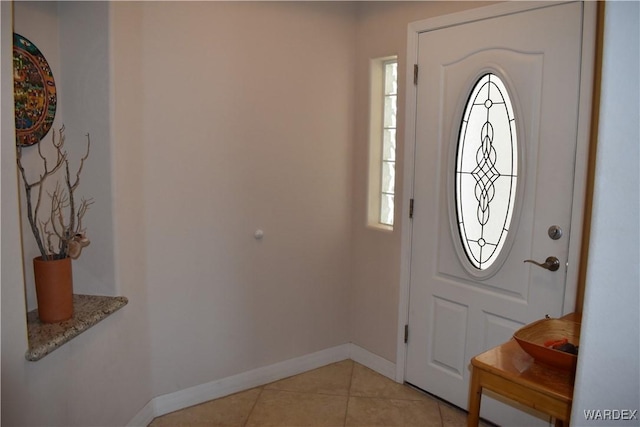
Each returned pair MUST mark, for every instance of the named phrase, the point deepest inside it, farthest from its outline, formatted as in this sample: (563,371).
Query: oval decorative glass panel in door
(486,171)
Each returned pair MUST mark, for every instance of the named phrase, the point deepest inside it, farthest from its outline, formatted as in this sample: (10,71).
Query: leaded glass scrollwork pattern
(486,171)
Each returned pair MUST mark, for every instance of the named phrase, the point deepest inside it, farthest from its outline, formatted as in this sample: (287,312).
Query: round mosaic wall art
(34,92)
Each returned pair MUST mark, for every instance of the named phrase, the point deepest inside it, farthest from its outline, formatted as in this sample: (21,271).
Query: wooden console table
(510,372)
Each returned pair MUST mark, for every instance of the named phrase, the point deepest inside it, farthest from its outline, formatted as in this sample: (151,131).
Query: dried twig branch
(32,214)
(84,207)
(65,222)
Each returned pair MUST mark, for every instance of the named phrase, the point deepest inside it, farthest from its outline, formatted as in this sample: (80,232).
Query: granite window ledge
(87,311)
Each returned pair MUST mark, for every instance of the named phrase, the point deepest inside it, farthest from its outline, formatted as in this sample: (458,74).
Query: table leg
(475,394)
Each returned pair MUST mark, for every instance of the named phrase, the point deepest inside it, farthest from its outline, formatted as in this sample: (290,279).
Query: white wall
(83,87)
(245,123)
(608,374)
(14,328)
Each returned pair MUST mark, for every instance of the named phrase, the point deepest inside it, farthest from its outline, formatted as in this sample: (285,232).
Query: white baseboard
(223,387)
(372,361)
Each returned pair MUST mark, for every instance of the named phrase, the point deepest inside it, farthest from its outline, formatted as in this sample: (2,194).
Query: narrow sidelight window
(382,141)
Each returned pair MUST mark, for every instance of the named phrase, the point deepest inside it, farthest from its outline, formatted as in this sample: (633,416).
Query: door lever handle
(551,263)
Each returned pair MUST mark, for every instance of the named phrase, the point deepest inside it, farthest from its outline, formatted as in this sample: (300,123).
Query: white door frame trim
(582,148)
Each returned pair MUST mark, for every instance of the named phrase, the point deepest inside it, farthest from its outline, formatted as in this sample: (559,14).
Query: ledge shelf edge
(88,310)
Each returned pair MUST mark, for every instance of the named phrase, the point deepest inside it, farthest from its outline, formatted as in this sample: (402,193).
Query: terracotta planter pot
(54,289)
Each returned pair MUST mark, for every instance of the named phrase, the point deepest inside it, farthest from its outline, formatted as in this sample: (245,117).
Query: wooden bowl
(533,336)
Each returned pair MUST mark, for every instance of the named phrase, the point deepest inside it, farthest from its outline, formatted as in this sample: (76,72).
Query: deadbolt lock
(555,232)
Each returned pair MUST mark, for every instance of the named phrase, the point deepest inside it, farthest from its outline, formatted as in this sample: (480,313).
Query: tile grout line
(397,399)
(440,413)
(319,393)
(346,411)
(253,407)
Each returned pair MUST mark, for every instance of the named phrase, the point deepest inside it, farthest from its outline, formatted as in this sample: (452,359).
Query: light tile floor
(341,394)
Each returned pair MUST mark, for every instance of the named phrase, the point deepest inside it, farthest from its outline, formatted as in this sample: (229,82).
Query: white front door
(482,208)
